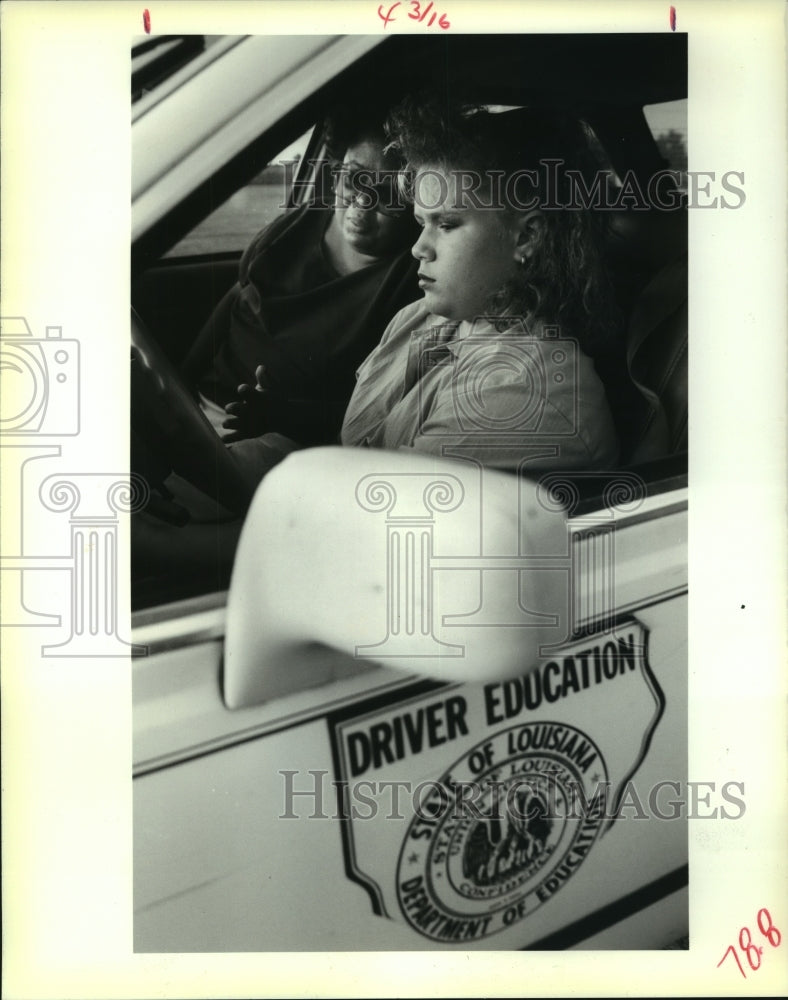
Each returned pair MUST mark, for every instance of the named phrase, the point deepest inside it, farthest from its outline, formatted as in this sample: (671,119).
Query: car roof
(560,70)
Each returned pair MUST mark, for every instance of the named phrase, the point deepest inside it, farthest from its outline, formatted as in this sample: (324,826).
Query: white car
(348,795)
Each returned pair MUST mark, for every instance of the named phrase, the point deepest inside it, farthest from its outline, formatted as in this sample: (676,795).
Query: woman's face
(465,252)
(367,230)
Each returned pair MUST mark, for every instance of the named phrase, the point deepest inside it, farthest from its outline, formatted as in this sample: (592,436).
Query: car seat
(648,257)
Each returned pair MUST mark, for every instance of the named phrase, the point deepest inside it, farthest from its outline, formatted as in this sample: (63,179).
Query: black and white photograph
(391,505)
(432,355)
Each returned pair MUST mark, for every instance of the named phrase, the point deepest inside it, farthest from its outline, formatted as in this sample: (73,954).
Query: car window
(668,124)
(233,224)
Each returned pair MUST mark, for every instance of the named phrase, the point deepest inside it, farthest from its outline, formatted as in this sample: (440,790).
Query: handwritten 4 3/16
(753,952)
(415,14)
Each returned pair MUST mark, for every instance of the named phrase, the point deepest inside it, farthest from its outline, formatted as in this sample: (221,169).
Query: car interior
(606,80)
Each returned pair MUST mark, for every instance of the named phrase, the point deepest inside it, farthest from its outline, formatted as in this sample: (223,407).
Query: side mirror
(353,558)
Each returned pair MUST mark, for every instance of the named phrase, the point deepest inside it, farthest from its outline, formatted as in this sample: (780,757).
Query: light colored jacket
(522,400)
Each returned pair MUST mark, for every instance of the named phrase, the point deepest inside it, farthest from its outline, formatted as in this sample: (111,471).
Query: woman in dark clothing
(316,289)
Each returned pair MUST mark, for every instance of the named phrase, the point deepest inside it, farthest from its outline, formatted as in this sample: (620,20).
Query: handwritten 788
(754,952)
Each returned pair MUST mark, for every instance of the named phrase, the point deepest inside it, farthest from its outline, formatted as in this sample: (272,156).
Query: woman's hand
(246,416)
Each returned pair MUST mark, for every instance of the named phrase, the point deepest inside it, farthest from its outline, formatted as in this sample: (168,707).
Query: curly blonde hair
(565,282)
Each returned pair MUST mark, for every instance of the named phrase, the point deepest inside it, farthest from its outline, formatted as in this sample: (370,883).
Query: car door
(255,827)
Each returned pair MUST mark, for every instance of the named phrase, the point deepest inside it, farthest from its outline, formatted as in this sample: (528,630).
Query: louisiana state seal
(502,831)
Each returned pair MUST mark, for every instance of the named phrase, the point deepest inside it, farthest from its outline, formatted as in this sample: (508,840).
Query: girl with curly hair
(495,362)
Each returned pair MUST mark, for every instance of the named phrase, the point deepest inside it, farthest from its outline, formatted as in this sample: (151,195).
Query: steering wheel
(170,423)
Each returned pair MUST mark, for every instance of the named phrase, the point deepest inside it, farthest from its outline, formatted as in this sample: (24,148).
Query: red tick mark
(672,18)
(146,20)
